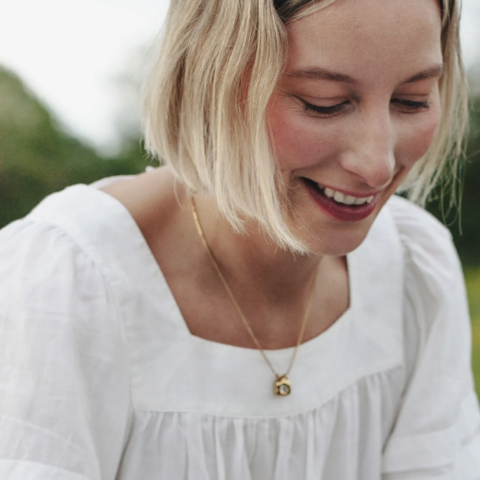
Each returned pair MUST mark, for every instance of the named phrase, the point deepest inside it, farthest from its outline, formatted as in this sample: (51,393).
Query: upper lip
(345,192)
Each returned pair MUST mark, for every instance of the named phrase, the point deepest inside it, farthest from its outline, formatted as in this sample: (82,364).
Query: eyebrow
(317,73)
(436,71)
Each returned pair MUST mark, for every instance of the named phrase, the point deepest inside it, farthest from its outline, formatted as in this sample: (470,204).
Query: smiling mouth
(339,197)
(339,205)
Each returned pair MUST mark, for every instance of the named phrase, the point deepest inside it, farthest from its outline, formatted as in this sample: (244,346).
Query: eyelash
(325,112)
(414,106)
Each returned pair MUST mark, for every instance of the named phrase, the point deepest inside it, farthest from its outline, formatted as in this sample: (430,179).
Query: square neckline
(165,357)
(204,344)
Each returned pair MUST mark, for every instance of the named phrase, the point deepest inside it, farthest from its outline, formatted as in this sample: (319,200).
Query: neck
(252,259)
(271,285)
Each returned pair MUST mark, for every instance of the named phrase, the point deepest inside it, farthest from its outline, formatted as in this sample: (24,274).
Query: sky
(71,53)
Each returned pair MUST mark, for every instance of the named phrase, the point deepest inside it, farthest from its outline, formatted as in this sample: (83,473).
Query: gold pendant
(282,386)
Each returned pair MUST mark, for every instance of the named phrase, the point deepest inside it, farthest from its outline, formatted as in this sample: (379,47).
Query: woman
(261,307)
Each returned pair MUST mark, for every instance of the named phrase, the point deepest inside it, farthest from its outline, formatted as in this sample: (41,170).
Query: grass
(473,288)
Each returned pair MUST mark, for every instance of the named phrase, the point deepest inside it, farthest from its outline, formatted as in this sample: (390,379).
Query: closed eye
(405,105)
(411,106)
(322,111)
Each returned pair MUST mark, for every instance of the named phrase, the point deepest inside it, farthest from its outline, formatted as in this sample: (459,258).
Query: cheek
(417,139)
(296,140)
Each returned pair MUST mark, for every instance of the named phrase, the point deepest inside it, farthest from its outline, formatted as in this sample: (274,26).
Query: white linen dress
(100,378)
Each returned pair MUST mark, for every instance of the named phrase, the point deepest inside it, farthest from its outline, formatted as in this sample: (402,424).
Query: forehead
(352,35)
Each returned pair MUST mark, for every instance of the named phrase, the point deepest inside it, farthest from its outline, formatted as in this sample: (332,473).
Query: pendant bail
(282,386)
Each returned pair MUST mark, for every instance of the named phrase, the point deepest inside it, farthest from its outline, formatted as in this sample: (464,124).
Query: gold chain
(281,379)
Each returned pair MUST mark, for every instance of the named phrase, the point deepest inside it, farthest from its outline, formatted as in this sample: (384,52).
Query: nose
(370,149)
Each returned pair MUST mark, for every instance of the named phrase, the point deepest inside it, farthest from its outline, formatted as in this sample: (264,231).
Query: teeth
(329,192)
(339,197)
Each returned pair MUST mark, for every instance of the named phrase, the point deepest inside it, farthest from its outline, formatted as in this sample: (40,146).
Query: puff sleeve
(64,388)
(437,431)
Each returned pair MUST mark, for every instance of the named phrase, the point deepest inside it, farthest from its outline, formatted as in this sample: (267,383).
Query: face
(358,104)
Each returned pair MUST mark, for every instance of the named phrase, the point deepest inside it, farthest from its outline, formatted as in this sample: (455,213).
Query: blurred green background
(38,157)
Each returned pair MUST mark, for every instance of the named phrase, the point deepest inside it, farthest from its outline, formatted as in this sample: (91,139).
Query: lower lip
(338,211)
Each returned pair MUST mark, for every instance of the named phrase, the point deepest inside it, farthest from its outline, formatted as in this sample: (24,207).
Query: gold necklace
(282,386)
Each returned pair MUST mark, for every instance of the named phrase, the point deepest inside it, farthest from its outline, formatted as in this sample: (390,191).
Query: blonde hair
(207,96)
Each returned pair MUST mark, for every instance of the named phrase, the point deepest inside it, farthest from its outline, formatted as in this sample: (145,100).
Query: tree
(37,157)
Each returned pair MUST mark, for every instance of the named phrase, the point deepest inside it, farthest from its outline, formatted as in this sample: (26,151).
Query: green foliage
(37,157)
(473,288)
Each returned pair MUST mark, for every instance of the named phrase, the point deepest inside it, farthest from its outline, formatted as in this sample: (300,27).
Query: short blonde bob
(206,123)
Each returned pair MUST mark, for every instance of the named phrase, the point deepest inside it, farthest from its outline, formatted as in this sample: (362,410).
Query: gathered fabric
(100,378)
